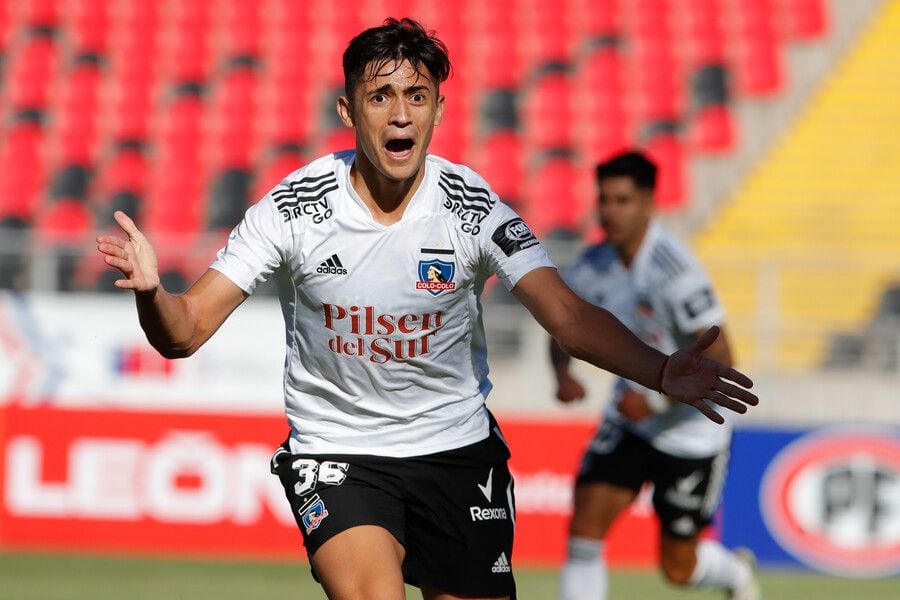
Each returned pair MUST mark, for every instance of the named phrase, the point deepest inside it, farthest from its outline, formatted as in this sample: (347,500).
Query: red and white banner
(136,481)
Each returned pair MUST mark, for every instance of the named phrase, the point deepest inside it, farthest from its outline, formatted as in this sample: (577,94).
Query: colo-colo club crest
(436,276)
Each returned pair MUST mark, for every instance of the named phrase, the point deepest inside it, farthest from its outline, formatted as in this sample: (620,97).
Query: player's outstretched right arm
(176,325)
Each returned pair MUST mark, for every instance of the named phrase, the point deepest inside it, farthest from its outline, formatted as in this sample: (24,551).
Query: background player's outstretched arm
(592,334)
(176,325)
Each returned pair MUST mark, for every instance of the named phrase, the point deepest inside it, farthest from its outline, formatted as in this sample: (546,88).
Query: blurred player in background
(653,284)
(394,468)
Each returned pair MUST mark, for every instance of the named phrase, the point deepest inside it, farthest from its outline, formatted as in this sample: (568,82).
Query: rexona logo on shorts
(832,499)
(487,514)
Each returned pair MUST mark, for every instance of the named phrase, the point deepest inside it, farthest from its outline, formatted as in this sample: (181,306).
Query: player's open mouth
(400,147)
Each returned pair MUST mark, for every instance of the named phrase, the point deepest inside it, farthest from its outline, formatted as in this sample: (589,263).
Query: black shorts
(686,491)
(452,511)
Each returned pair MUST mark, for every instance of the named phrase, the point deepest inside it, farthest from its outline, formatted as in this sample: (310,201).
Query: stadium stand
(203,97)
(815,226)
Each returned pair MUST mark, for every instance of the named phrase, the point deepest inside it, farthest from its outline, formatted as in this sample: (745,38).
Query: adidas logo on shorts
(501,565)
(332,266)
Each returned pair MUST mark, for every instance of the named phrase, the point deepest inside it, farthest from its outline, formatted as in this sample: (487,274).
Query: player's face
(394,114)
(624,210)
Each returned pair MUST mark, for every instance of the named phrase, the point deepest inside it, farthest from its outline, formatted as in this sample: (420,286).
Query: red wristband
(659,379)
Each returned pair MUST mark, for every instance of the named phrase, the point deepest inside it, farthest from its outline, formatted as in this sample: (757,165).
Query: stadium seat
(545,32)
(597,18)
(65,221)
(32,70)
(547,112)
(712,130)
(668,153)
(500,159)
(228,197)
(6,20)
(233,106)
(89,24)
(550,194)
(70,181)
(495,58)
(22,176)
(121,184)
(243,21)
(703,32)
(757,50)
(40,13)
(602,122)
(804,19)
(187,49)
(657,76)
(76,129)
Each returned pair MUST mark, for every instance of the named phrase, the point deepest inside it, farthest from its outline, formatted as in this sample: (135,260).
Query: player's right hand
(568,388)
(134,257)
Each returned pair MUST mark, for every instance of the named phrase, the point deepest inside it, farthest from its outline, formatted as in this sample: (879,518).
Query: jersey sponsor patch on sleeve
(699,302)
(514,236)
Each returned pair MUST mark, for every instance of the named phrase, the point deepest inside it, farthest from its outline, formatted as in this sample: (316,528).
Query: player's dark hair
(630,164)
(394,42)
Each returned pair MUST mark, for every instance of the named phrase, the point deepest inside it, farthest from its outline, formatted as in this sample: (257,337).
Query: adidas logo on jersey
(332,266)
(501,565)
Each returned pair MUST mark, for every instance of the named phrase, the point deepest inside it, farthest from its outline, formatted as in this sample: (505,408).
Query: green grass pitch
(32,576)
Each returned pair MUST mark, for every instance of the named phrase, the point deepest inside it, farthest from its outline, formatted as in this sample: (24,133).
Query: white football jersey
(665,298)
(386,351)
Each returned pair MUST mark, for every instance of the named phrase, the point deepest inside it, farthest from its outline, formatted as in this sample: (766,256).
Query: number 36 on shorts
(310,472)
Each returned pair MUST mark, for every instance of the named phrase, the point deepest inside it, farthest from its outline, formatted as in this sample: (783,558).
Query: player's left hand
(694,379)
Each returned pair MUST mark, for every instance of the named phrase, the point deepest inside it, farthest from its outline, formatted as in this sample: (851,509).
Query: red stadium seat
(32,72)
(41,13)
(77,127)
(712,130)
(89,22)
(548,114)
(804,19)
(545,33)
(603,123)
(243,21)
(657,70)
(500,159)
(22,170)
(597,17)
(758,59)
(66,221)
(551,197)
(182,125)
(6,22)
(703,32)
(668,153)
(495,58)
(232,112)
(175,202)
(127,171)
(287,111)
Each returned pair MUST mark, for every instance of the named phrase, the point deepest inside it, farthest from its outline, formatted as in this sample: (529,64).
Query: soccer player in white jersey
(647,278)
(394,468)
